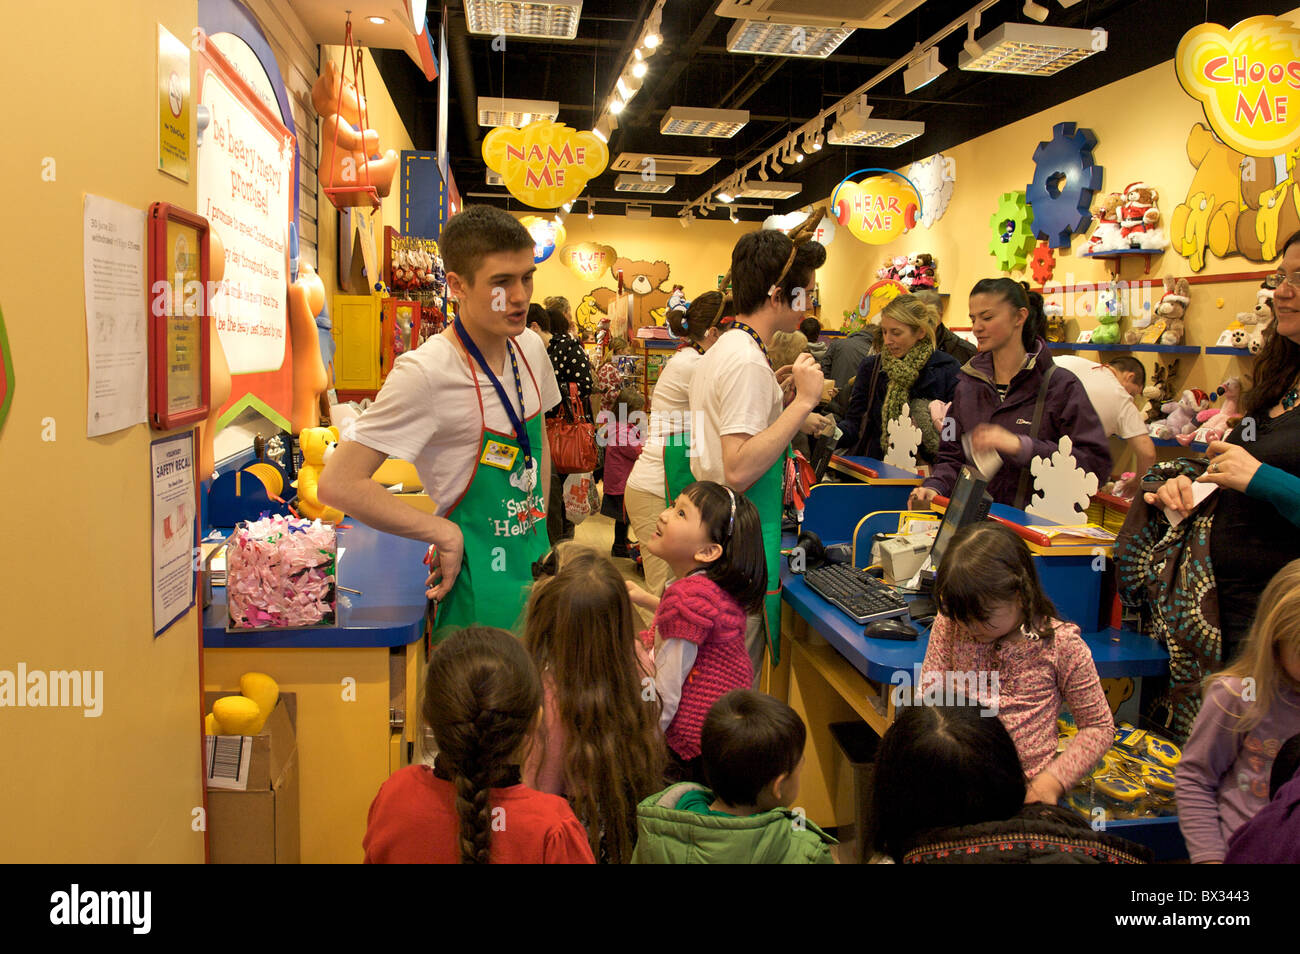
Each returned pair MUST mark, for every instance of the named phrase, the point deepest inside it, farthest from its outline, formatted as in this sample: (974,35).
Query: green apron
(500,522)
(677,465)
(768,495)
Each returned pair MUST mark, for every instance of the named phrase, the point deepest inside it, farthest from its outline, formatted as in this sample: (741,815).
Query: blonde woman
(908,373)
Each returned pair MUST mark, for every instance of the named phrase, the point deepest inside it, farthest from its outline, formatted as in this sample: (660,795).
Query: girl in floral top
(995,621)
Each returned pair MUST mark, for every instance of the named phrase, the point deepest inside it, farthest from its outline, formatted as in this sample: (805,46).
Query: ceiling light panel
(662,164)
(880,133)
(784,39)
(636,183)
(493,111)
(863,14)
(554,19)
(768,190)
(1026,49)
(713,123)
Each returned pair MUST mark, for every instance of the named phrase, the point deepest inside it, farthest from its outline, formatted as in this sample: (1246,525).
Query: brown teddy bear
(1172,307)
(642,280)
(1207,218)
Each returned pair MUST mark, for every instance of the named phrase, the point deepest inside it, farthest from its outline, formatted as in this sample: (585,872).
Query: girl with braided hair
(482,701)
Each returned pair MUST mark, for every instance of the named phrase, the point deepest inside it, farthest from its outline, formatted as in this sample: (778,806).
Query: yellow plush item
(210,726)
(237,715)
(262,689)
(317,443)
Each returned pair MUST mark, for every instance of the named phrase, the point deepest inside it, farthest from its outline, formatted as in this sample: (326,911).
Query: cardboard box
(259,824)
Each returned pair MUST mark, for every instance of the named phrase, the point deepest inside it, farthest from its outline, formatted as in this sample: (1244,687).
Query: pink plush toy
(1182,414)
(1215,424)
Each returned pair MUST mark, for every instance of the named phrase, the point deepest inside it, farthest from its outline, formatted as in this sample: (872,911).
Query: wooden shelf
(1234,352)
(1159,348)
(1119,255)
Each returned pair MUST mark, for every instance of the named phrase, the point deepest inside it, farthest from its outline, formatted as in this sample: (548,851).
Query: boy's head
(633,398)
(488,256)
(767,267)
(1130,373)
(751,747)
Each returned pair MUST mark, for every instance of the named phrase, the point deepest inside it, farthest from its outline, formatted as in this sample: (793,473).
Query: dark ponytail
(481,699)
(705,312)
(1020,296)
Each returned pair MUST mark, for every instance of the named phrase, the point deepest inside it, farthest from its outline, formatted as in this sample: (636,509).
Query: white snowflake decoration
(903,438)
(1062,489)
(934,178)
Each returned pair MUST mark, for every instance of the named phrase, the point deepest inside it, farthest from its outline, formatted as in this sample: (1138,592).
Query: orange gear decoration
(1042,263)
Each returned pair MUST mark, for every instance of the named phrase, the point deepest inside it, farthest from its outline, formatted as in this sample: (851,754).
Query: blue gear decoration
(1060,213)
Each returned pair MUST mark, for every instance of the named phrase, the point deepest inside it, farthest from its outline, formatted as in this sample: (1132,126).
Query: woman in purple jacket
(998,393)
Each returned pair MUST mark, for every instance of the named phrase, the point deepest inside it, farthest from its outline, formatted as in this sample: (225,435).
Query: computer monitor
(968,504)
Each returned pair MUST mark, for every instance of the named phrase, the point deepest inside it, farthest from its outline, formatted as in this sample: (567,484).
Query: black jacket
(949,343)
(937,381)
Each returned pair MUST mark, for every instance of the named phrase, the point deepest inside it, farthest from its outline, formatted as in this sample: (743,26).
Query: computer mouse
(890,629)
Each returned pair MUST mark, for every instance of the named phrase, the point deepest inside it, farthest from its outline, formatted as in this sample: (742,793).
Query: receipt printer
(902,556)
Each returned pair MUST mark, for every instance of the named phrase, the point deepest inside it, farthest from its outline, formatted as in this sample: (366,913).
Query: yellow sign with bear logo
(1247,79)
(588,260)
(544,164)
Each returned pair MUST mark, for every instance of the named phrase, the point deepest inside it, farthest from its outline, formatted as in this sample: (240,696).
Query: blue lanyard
(690,344)
(757,340)
(521,432)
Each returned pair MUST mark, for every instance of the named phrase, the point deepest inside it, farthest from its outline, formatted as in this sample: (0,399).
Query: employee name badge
(499,455)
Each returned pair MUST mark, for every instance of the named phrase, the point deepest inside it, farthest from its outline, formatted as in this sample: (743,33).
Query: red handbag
(572,437)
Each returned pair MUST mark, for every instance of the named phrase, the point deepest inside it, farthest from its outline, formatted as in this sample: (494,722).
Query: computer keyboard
(856,592)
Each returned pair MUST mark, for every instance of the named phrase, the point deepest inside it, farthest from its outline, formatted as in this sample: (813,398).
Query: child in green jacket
(751,753)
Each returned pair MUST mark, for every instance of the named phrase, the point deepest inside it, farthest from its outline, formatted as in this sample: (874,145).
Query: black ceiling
(693,68)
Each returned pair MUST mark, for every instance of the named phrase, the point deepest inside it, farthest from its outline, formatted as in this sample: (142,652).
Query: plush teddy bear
(317,445)
(1237,334)
(1106,236)
(1159,389)
(1171,308)
(1055,315)
(355,151)
(1181,414)
(1108,314)
(922,267)
(1138,217)
(1215,423)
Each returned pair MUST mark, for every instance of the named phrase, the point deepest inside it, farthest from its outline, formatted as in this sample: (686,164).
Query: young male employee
(466,407)
(1111,389)
(738,424)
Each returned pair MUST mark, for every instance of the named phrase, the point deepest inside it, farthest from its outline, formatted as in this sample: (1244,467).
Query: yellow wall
(75,561)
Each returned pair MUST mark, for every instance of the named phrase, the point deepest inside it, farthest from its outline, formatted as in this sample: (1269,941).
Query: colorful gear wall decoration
(1065,179)
(1012,238)
(1042,263)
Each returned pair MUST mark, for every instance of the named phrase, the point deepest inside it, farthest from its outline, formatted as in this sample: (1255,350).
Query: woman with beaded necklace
(908,373)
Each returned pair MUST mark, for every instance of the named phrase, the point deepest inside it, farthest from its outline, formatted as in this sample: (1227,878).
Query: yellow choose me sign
(1247,78)
(544,164)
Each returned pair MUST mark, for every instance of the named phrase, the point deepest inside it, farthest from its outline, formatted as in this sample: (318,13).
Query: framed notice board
(179,384)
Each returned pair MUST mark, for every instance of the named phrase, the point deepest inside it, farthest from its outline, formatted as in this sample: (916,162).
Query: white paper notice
(172,472)
(117,338)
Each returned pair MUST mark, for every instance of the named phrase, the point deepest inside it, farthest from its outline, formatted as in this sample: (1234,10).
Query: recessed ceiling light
(378,21)
(880,133)
(636,183)
(495,111)
(557,19)
(768,190)
(715,123)
(1029,50)
(784,39)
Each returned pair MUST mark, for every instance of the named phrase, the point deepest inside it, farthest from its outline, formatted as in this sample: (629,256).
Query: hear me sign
(544,164)
(1247,79)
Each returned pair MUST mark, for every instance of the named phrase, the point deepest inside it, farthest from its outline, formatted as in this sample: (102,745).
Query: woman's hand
(993,437)
(1045,788)
(1230,466)
(920,498)
(817,425)
(1174,495)
(641,596)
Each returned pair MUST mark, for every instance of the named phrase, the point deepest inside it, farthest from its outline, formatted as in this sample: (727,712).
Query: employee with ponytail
(1013,401)
(664,467)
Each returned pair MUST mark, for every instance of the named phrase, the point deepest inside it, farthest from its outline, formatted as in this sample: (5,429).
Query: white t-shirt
(1119,415)
(427,411)
(734,392)
(671,415)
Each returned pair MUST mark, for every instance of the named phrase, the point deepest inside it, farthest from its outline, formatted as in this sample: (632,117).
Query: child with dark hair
(600,744)
(949,789)
(482,701)
(752,753)
(994,618)
(711,540)
(623,432)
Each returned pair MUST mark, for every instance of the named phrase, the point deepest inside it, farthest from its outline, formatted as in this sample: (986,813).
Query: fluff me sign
(1247,79)
(588,260)
(545,164)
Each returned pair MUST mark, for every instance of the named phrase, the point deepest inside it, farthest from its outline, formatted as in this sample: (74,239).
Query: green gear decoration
(1013,238)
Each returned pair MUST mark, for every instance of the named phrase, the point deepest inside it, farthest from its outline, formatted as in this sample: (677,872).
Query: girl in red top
(482,700)
(600,744)
(711,540)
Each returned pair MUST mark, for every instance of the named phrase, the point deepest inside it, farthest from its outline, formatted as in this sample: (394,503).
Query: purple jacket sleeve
(950,458)
(1070,413)
(1208,756)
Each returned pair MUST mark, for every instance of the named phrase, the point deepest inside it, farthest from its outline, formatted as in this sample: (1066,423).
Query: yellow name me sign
(1246,78)
(545,164)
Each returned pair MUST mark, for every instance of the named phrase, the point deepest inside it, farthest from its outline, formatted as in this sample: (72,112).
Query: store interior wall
(75,576)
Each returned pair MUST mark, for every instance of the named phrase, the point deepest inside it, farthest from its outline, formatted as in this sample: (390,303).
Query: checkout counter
(830,672)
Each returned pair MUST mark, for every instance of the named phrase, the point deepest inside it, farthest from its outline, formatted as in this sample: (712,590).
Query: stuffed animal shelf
(317,445)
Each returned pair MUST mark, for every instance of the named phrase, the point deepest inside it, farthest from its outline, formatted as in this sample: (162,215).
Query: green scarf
(902,373)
